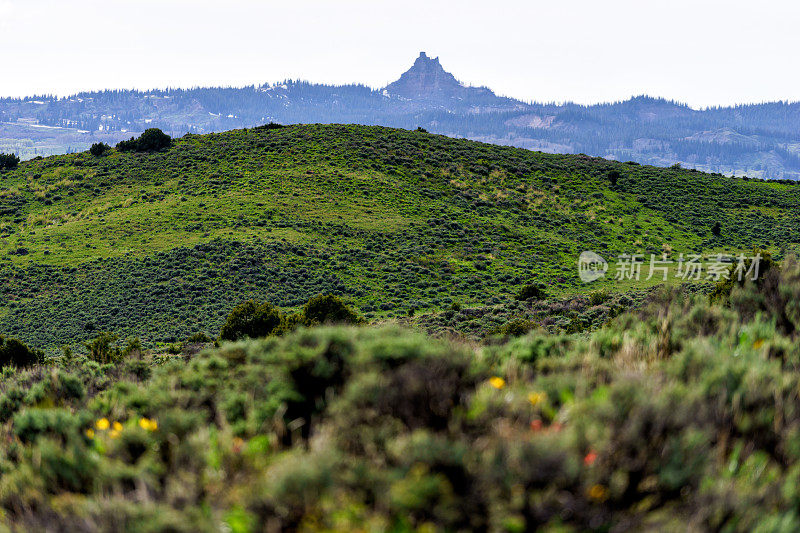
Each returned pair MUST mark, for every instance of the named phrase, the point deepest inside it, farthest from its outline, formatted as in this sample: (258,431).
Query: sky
(701,52)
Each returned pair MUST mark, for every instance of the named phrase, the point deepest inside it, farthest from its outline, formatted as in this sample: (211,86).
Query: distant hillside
(756,140)
(162,245)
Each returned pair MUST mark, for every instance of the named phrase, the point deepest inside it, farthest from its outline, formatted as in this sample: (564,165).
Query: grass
(405,218)
(615,405)
(683,412)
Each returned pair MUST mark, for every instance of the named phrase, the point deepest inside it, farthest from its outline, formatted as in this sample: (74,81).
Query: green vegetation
(8,161)
(681,412)
(162,245)
(103,349)
(254,319)
(319,253)
(152,140)
(251,320)
(99,149)
(14,353)
(528,292)
(328,309)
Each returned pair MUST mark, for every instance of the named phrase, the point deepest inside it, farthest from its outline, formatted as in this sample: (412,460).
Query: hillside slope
(162,245)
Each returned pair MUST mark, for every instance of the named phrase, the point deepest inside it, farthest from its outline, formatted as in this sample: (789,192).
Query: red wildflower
(590,458)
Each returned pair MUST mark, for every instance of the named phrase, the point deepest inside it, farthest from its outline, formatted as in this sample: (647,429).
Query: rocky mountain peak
(426,78)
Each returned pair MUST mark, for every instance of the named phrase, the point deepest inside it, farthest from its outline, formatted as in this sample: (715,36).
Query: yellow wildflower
(536,398)
(89,433)
(147,424)
(497,382)
(758,344)
(113,434)
(117,426)
(102,424)
(598,493)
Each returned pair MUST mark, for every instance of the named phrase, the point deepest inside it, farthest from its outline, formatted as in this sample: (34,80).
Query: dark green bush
(768,271)
(199,337)
(128,146)
(152,140)
(528,292)
(270,126)
(31,424)
(599,297)
(329,309)
(514,328)
(15,353)
(8,161)
(252,319)
(103,348)
(98,149)
(776,294)
(291,322)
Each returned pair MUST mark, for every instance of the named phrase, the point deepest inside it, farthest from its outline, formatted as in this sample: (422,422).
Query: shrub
(8,161)
(15,353)
(98,149)
(133,347)
(514,328)
(270,126)
(775,294)
(291,323)
(716,229)
(127,146)
(152,140)
(324,309)
(613,177)
(101,350)
(199,338)
(528,292)
(175,348)
(599,297)
(252,319)
(31,424)
(767,269)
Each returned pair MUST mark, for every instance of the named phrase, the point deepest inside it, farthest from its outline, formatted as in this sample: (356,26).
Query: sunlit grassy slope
(161,245)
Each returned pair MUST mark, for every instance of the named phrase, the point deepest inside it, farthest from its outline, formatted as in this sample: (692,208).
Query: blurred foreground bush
(684,414)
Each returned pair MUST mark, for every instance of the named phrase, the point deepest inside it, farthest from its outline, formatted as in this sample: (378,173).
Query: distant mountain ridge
(759,140)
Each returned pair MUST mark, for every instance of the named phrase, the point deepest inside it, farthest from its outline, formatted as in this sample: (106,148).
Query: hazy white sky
(703,52)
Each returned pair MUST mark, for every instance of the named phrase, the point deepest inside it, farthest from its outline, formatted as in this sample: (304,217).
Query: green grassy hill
(162,245)
(683,410)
